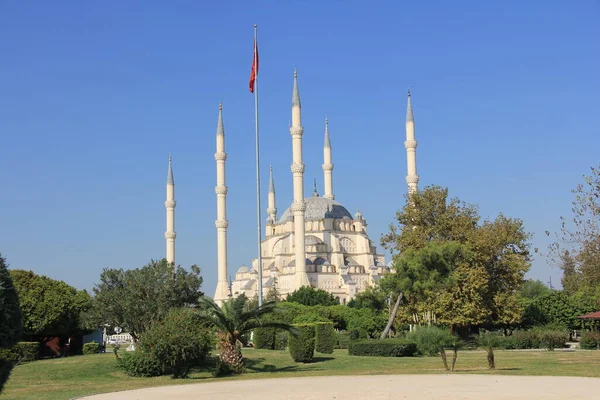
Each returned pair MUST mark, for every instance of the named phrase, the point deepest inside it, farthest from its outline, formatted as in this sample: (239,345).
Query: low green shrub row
(91,348)
(342,340)
(383,348)
(544,337)
(590,341)
(21,352)
(137,363)
(270,339)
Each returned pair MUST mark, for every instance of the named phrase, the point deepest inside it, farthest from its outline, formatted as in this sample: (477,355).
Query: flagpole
(258,216)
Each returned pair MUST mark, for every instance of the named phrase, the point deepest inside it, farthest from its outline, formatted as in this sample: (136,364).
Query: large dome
(316,207)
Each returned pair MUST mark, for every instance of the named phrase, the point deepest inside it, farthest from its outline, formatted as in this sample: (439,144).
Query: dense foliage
(10,319)
(309,296)
(138,298)
(383,348)
(50,307)
(590,341)
(138,363)
(453,268)
(433,340)
(302,344)
(181,340)
(21,352)
(325,337)
(558,308)
(91,348)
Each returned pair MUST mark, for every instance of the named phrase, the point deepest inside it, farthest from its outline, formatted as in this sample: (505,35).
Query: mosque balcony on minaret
(296,131)
(410,144)
(221,190)
(220,156)
(297,168)
(170,203)
(170,235)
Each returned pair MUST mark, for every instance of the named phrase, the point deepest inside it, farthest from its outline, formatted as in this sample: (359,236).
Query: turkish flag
(254,72)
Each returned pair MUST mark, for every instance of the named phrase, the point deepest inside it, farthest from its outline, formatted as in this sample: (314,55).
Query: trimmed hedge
(590,341)
(91,348)
(270,339)
(325,337)
(522,340)
(21,352)
(383,348)
(302,345)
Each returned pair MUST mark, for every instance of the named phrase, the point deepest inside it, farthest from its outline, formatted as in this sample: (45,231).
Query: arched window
(347,245)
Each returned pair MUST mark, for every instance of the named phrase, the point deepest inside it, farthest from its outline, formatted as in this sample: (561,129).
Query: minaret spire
(170,204)
(412,179)
(298,206)
(271,207)
(222,291)
(328,164)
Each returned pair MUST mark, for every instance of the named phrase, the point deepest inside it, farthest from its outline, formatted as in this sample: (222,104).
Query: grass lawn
(65,378)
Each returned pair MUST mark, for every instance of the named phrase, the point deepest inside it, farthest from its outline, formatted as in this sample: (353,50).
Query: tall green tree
(309,296)
(50,307)
(577,247)
(11,326)
(136,299)
(477,284)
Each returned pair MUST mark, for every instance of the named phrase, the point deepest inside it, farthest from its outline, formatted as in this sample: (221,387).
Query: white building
(316,241)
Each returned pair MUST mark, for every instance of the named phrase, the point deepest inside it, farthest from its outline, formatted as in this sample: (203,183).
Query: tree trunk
(392,318)
(230,354)
(443,353)
(454,357)
(490,357)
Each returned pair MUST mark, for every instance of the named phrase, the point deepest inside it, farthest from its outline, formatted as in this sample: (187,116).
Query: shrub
(21,352)
(342,340)
(270,339)
(324,337)
(91,348)
(526,340)
(138,363)
(590,341)
(431,340)
(552,337)
(489,341)
(302,344)
(180,341)
(11,323)
(383,348)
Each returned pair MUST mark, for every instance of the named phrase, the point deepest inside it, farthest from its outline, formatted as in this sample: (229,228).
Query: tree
(373,298)
(309,296)
(136,299)
(441,244)
(577,247)
(234,320)
(50,307)
(489,341)
(11,324)
(433,340)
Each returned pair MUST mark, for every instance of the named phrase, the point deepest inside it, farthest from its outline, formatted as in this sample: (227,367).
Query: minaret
(222,291)
(298,206)
(327,164)
(271,208)
(170,204)
(412,179)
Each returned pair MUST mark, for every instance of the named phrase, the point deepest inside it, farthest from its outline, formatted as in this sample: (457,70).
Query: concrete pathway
(404,387)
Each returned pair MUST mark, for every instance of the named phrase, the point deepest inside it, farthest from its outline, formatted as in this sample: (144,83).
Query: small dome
(243,269)
(358,215)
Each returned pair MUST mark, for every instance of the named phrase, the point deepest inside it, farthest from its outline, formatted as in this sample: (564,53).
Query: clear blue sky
(95,95)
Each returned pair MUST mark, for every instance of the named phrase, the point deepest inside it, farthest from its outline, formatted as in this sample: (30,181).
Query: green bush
(590,341)
(180,341)
(342,340)
(138,363)
(302,344)
(431,340)
(21,352)
(553,338)
(11,322)
(325,337)
(91,348)
(270,339)
(521,340)
(383,348)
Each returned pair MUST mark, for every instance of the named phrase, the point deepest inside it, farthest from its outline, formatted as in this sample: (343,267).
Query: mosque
(315,242)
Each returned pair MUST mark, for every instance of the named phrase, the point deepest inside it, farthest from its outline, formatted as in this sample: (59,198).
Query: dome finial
(315,193)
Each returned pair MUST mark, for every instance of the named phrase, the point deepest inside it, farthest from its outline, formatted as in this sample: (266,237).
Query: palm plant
(233,320)
(488,341)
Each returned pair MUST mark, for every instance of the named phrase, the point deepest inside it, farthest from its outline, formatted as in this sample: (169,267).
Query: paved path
(404,387)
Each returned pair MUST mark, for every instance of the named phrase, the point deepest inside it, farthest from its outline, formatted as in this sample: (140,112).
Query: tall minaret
(222,291)
(412,179)
(271,207)
(298,206)
(327,164)
(170,204)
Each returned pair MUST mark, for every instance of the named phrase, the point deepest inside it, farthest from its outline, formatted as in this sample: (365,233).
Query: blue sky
(95,95)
